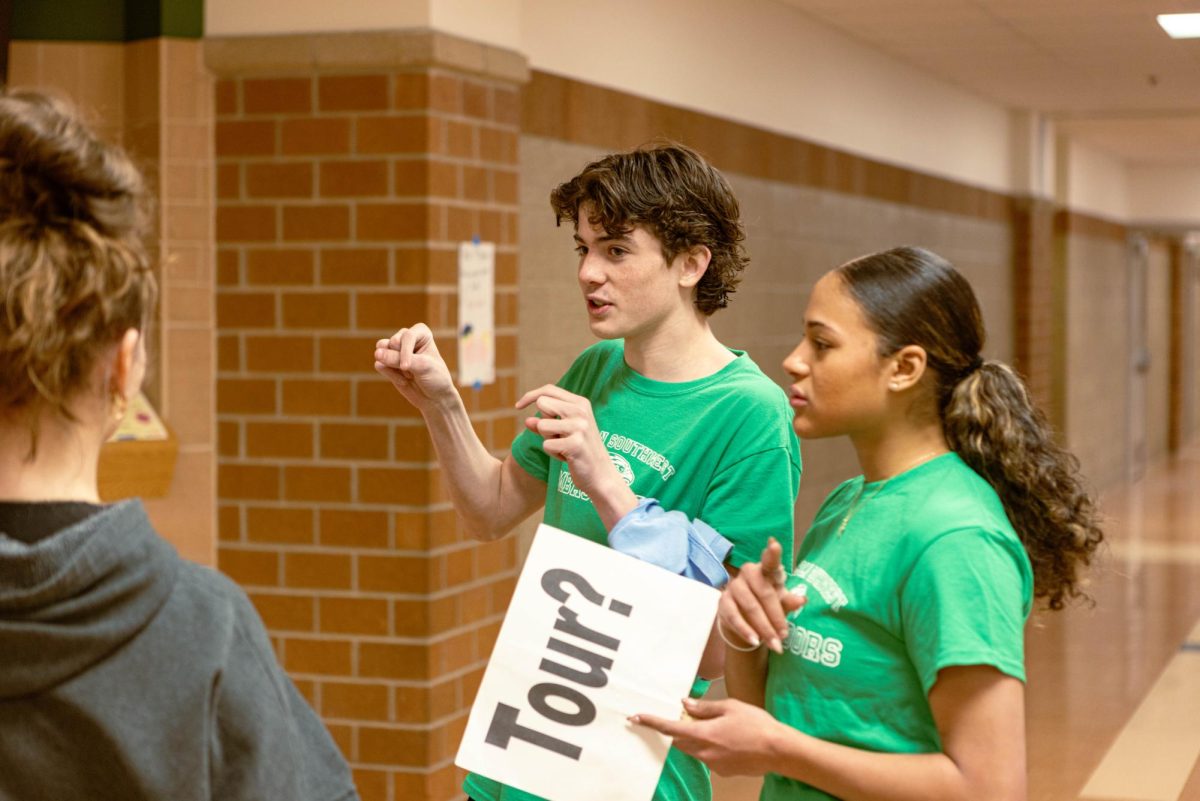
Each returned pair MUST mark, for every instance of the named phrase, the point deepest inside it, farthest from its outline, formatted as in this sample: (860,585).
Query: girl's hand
(756,603)
(731,737)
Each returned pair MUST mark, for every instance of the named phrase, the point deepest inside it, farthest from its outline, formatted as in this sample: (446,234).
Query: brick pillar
(349,167)
(1034,302)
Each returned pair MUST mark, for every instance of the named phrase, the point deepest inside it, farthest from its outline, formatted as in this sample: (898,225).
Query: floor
(1113,699)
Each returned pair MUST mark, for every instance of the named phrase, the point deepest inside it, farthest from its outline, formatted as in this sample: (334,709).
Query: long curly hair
(681,198)
(73,265)
(911,296)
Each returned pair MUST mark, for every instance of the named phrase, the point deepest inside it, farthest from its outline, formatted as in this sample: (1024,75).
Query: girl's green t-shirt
(927,574)
(720,449)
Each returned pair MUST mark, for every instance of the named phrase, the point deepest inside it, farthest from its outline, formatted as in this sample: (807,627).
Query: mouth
(598,306)
(797,399)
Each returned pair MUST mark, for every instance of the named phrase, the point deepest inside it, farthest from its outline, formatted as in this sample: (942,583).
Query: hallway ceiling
(1102,69)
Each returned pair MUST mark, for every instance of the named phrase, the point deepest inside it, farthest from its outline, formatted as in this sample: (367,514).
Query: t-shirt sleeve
(267,742)
(527,451)
(965,603)
(752,500)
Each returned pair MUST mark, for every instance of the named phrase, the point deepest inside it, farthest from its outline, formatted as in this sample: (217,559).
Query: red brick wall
(341,200)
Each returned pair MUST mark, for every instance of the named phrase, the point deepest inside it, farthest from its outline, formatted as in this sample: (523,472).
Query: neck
(897,449)
(63,468)
(682,350)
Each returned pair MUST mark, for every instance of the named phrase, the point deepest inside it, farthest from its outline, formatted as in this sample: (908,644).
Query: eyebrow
(624,238)
(817,324)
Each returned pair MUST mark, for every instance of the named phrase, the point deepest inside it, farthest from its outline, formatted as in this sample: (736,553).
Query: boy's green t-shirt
(720,448)
(927,574)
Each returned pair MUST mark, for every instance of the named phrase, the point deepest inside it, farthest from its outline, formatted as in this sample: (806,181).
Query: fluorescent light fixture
(1180,26)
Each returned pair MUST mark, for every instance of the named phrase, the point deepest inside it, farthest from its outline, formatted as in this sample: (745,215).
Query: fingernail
(634,718)
(775,645)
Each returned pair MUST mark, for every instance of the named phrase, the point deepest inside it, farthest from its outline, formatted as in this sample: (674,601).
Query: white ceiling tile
(1061,57)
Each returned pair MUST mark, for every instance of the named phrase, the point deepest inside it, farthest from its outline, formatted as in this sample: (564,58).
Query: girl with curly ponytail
(890,663)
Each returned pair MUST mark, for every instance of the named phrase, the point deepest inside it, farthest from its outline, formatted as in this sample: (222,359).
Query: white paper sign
(592,636)
(476,320)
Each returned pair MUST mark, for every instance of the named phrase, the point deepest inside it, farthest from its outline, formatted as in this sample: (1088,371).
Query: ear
(694,263)
(125,377)
(906,368)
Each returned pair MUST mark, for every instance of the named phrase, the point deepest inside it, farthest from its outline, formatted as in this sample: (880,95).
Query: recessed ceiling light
(1180,26)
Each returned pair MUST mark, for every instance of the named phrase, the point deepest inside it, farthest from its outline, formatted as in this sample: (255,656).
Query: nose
(590,273)
(795,363)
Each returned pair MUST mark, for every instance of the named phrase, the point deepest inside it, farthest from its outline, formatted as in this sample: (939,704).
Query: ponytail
(912,296)
(991,424)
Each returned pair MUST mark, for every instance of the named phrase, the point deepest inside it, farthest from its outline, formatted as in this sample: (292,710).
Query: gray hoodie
(127,673)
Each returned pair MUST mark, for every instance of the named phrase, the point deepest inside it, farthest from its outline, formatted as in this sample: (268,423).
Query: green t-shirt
(927,574)
(720,448)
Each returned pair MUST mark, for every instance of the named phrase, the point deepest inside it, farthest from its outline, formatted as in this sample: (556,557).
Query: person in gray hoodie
(125,672)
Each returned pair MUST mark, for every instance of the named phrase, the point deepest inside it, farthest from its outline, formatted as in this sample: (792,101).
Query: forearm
(473,475)
(746,673)
(613,502)
(712,661)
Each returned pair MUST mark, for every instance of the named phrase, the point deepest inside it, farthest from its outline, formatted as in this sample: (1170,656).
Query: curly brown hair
(911,296)
(75,272)
(678,196)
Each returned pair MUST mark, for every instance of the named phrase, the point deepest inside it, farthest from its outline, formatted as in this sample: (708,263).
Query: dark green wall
(106,20)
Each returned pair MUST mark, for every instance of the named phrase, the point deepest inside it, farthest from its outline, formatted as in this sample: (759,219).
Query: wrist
(444,405)
(734,640)
(614,501)
(780,743)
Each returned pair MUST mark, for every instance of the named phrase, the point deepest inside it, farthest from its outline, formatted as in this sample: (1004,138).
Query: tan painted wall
(1164,195)
(1097,356)
(1158,318)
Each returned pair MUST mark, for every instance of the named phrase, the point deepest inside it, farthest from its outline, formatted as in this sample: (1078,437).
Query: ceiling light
(1180,26)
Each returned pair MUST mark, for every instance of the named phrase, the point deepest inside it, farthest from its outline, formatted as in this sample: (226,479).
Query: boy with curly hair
(658,412)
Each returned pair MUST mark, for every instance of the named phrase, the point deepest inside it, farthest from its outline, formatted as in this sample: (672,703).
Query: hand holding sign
(731,737)
(591,637)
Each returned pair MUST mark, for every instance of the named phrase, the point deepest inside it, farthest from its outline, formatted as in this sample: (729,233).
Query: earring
(119,405)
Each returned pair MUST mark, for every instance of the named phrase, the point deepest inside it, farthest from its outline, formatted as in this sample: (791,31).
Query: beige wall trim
(338,52)
(1069,222)
(572,111)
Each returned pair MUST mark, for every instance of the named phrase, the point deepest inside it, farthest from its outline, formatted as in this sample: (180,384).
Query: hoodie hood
(70,600)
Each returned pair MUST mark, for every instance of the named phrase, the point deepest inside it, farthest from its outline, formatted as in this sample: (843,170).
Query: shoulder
(947,492)
(206,598)
(751,402)
(956,518)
